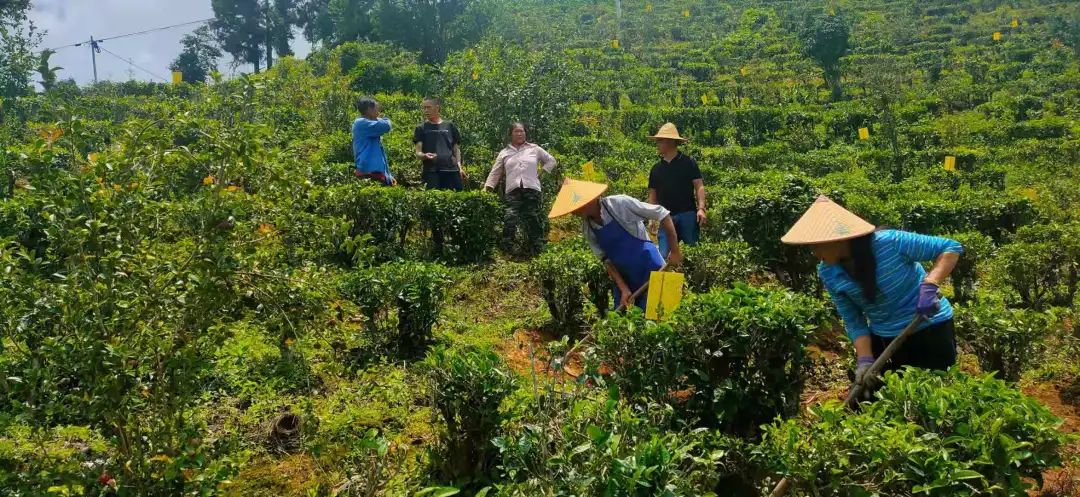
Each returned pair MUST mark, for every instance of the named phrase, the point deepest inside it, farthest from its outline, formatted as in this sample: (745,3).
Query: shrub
(711,265)
(760,215)
(933,432)
(978,248)
(467,388)
(413,292)
(746,347)
(569,274)
(987,212)
(386,214)
(1004,340)
(732,358)
(1042,265)
(586,446)
(469,223)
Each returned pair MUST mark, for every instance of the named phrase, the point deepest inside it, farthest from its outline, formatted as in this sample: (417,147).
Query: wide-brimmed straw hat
(825,221)
(574,195)
(668,131)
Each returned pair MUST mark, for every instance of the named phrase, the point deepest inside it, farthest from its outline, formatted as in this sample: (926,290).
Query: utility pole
(93,56)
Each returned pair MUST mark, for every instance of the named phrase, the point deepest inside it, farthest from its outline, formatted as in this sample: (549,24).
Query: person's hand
(489,189)
(675,257)
(624,297)
(464,175)
(430,156)
(701,217)
(862,366)
(929,303)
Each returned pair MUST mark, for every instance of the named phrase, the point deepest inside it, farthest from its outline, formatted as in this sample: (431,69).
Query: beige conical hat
(669,131)
(825,221)
(574,195)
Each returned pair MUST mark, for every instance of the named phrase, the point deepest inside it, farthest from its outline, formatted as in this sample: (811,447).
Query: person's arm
(457,160)
(547,161)
(376,127)
(652,196)
(917,248)
(855,323)
(699,193)
(620,283)
(675,255)
(496,173)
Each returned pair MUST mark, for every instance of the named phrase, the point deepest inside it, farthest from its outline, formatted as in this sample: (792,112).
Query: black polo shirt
(674,183)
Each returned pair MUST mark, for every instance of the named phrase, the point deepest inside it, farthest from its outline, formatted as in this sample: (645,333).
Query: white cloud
(73,21)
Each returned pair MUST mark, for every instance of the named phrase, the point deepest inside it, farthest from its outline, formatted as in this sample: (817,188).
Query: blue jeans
(686,228)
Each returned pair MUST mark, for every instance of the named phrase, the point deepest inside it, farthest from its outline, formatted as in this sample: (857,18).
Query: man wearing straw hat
(675,183)
(876,279)
(615,229)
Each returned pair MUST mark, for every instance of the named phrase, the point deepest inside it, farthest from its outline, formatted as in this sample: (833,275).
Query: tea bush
(1006,341)
(387,214)
(569,275)
(596,446)
(710,265)
(930,432)
(470,223)
(411,292)
(1041,266)
(467,389)
(978,249)
(760,215)
(734,358)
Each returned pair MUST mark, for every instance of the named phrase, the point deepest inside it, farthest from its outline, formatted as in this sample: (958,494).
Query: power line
(133,64)
(136,33)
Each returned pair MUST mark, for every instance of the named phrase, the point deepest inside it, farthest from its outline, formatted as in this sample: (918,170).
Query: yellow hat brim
(824,222)
(574,195)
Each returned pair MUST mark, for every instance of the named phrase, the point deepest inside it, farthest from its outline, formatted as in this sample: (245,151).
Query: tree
(238,26)
(48,74)
(826,40)
(199,57)
(248,29)
(17,41)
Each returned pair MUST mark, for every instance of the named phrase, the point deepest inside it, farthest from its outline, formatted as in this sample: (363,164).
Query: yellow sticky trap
(177,77)
(997,35)
(864,134)
(589,171)
(475,75)
(615,43)
(950,163)
(1030,193)
(686,13)
(665,294)
(648,7)
(704,99)
(743,71)
(1015,23)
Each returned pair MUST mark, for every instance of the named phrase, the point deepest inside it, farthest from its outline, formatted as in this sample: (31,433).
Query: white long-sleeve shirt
(520,166)
(629,212)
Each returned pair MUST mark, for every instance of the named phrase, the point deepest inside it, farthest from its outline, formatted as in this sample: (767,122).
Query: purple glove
(929,302)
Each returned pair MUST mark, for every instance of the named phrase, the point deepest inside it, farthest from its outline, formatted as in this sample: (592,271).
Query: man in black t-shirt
(675,183)
(437,144)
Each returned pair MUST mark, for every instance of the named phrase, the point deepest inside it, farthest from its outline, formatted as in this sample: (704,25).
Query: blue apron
(635,258)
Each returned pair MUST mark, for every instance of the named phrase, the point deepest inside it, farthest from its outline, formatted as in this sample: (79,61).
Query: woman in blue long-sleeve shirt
(368,151)
(878,283)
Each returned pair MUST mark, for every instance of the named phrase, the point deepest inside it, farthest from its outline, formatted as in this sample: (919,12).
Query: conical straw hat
(574,195)
(824,222)
(669,131)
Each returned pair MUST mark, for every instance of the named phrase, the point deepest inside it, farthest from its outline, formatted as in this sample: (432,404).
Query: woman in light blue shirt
(877,281)
(368,151)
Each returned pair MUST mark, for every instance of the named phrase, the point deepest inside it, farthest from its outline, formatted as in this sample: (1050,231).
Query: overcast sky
(73,21)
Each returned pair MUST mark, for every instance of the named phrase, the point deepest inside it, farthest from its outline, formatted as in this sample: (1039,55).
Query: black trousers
(933,347)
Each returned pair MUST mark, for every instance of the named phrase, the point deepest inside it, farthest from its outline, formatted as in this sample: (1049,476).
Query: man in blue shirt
(367,131)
